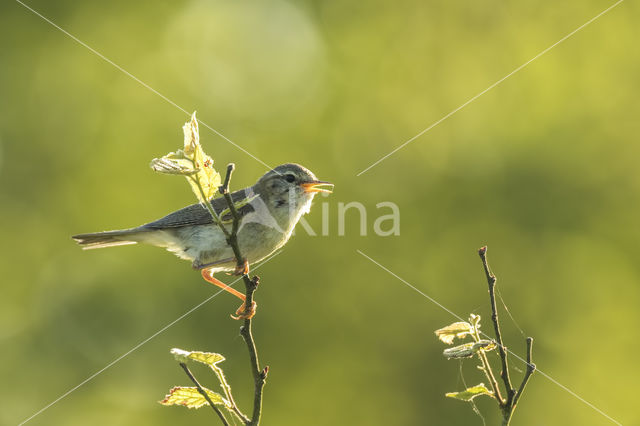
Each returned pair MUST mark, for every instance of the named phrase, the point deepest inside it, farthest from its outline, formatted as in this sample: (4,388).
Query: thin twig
(259,375)
(531,367)
(491,280)
(232,237)
(227,178)
(204,393)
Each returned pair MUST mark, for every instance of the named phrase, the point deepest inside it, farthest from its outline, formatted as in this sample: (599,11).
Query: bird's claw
(245,313)
(242,269)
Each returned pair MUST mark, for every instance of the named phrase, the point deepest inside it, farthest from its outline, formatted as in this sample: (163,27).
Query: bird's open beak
(317,186)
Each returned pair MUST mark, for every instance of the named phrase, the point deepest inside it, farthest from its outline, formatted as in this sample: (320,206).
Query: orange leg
(208,276)
(242,312)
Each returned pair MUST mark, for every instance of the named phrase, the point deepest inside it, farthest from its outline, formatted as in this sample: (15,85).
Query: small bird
(277,202)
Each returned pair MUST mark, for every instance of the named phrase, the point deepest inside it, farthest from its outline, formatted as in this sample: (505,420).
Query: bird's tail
(109,238)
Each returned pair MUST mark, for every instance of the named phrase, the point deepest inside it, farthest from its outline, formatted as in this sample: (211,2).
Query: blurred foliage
(543,169)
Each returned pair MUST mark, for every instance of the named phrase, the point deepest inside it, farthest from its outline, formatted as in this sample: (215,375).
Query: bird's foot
(244,313)
(242,269)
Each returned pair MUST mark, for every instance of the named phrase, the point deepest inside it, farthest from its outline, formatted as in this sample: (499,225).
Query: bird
(275,204)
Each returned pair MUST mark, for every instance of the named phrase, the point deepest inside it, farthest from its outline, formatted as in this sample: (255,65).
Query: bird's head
(289,189)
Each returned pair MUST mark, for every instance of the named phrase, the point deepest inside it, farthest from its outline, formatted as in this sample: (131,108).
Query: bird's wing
(197,214)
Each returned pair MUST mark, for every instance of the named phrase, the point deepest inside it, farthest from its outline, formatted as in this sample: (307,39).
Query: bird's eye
(290,178)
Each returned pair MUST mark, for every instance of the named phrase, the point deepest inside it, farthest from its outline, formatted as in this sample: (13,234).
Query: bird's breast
(257,240)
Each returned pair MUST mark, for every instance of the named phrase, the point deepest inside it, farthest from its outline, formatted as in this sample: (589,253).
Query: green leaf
(469,349)
(191,162)
(470,393)
(208,358)
(191,398)
(457,329)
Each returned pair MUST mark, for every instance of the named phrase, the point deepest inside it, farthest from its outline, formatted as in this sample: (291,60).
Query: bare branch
(531,368)
(251,284)
(491,280)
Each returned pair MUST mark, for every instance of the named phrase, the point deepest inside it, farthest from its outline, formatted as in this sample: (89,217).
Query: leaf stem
(486,367)
(209,207)
(228,394)
(204,393)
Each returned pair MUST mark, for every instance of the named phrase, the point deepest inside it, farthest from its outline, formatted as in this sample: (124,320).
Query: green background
(543,168)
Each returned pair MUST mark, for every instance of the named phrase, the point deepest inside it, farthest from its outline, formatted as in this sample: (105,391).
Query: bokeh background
(543,169)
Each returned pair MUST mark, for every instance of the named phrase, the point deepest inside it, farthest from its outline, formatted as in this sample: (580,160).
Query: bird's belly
(257,241)
(202,244)
(207,245)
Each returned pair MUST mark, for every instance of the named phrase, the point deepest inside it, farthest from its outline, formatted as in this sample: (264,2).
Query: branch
(491,280)
(259,375)
(232,238)
(204,393)
(531,367)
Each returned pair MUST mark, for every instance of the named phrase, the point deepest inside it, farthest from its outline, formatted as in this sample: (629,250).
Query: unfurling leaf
(457,329)
(208,358)
(191,398)
(173,166)
(191,162)
(469,349)
(470,393)
(475,321)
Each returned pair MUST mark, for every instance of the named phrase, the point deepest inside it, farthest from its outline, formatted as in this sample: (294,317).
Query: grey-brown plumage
(195,214)
(279,199)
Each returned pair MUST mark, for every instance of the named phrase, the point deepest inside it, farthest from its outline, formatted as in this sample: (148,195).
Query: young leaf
(208,358)
(191,398)
(469,349)
(475,321)
(470,393)
(457,329)
(191,162)
(173,166)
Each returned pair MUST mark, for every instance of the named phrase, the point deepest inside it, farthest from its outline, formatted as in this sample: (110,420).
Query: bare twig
(491,280)
(507,406)
(204,393)
(251,284)
(531,367)
(232,237)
